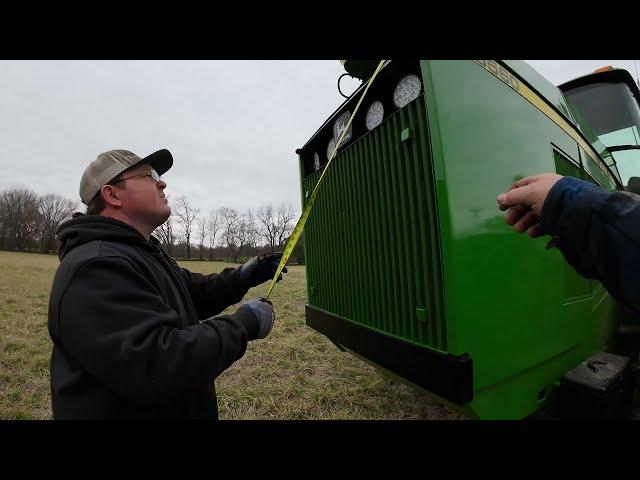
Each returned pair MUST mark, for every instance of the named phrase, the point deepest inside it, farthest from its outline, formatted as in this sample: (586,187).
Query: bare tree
(244,232)
(285,215)
(4,220)
(252,227)
(202,233)
(164,233)
(186,215)
(230,222)
(268,226)
(275,226)
(54,209)
(20,218)
(214,224)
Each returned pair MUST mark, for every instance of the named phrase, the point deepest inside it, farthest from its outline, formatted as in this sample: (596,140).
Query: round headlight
(330,148)
(316,161)
(374,115)
(407,90)
(340,125)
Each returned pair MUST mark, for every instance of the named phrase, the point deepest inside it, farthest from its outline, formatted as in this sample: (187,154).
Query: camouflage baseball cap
(110,164)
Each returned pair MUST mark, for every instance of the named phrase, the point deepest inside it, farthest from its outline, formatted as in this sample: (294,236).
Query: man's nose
(162,185)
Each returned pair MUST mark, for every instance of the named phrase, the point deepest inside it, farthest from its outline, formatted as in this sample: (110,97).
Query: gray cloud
(560,71)
(232,126)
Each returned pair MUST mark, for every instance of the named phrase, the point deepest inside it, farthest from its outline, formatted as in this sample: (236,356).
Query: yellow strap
(297,230)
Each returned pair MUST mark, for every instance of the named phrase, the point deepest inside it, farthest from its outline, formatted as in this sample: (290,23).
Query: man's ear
(110,196)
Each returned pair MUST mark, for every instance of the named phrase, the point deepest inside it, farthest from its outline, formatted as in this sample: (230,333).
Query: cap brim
(161,160)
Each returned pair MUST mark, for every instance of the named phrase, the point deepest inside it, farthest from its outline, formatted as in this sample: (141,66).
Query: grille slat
(391,222)
(419,220)
(375,196)
(395,221)
(415,261)
(402,231)
(351,209)
(436,331)
(364,266)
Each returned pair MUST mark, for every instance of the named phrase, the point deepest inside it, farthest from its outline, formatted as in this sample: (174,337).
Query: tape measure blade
(297,230)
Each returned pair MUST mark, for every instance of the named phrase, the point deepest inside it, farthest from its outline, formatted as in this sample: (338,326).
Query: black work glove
(261,269)
(262,309)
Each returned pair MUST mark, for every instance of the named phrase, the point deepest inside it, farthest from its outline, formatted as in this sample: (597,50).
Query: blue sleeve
(598,232)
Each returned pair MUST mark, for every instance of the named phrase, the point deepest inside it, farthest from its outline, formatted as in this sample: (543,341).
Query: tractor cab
(609,101)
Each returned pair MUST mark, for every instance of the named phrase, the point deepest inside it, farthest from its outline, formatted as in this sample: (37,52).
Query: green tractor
(410,265)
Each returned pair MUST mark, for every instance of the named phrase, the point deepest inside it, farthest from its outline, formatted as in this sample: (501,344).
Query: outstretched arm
(598,232)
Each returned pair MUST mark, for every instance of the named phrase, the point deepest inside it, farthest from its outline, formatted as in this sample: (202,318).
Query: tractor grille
(371,239)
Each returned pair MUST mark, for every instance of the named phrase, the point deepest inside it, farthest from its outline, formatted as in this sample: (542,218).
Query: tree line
(226,234)
(28,223)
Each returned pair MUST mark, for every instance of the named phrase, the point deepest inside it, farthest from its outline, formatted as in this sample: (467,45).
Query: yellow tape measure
(297,230)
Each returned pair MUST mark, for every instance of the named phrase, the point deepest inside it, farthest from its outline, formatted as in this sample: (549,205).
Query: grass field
(295,373)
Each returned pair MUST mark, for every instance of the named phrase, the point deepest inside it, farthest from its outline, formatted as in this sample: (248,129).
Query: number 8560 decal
(500,72)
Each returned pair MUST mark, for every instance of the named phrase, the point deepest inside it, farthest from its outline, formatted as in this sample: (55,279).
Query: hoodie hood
(83,228)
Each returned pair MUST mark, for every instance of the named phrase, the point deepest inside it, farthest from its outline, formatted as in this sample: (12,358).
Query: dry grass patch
(295,373)
(25,347)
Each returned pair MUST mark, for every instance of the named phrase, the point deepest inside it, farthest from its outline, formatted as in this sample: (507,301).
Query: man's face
(143,198)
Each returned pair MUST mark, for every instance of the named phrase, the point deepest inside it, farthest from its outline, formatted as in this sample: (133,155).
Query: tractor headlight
(407,90)
(374,115)
(316,161)
(330,148)
(340,126)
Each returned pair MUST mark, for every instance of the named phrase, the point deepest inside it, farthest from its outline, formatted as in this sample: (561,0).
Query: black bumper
(445,375)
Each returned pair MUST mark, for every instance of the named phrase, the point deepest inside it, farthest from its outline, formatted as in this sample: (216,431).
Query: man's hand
(261,269)
(525,199)
(263,310)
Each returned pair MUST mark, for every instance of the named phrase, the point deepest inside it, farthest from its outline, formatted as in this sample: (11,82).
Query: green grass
(294,373)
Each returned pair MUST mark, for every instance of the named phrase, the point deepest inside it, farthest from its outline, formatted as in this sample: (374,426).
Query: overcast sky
(232,126)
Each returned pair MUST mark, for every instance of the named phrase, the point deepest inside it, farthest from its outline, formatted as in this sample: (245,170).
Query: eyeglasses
(151,173)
